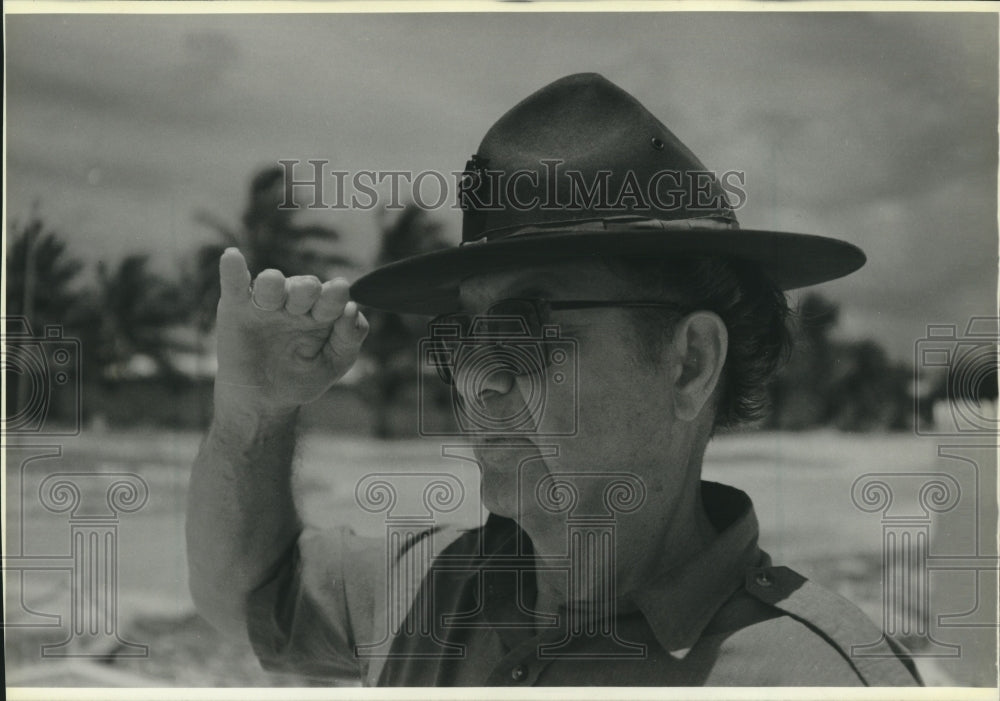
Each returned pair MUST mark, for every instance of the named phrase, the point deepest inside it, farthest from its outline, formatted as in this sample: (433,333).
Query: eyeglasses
(523,322)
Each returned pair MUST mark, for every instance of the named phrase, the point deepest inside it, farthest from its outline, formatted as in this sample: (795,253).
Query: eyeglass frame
(542,308)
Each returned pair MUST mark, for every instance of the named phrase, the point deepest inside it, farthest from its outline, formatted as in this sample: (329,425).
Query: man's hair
(754,310)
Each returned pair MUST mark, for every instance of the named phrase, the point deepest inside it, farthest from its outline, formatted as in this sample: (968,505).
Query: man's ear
(700,342)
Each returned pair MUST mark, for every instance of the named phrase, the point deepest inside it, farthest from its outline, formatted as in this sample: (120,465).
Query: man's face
(617,419)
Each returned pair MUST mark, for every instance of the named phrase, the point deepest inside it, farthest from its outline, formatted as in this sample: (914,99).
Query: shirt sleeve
(307,618)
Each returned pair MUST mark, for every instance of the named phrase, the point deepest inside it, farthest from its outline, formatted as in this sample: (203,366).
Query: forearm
(282,342)
(241,516)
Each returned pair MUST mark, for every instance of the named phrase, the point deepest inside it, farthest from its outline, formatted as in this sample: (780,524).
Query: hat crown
(525,197)
(578,150)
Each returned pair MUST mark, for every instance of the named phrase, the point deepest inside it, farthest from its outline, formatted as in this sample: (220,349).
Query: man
(602,318)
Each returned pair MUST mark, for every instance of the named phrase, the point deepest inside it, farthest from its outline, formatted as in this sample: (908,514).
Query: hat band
(623,223)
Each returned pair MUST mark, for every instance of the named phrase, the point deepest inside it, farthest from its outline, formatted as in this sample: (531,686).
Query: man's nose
(480,382)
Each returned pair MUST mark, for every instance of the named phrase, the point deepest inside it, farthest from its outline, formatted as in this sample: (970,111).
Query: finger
(234,278)
(332,298)
(301,292)
(269,290)
(362,326)
(348,331)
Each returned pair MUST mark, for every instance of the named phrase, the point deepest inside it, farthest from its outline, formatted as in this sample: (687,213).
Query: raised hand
(281,341)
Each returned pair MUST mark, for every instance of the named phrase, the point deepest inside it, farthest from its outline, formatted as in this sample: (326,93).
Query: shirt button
(763,580)
(519,673)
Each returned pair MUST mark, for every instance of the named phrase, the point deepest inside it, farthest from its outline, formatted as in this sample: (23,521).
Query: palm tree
(132,309)
(800,392)
(268,237)
(392,343)
(39,278)
(39,275)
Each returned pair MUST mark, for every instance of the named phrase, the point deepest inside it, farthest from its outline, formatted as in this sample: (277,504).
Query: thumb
(349,331)
(234,277)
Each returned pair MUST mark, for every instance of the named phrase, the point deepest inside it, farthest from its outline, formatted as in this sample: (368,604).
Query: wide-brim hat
(580,168)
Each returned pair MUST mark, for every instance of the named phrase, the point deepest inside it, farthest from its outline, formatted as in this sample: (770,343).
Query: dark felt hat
(581,168)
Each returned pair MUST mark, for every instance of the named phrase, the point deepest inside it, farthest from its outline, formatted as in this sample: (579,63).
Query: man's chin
(502,454)
(504,465)
(499,485)
(500,505)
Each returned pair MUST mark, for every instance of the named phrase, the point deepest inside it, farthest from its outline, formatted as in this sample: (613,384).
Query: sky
(880,129)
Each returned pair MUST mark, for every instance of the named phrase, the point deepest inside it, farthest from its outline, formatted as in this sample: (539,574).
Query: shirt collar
(681,602)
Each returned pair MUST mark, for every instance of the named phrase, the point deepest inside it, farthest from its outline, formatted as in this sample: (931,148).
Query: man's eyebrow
(529,286)
(534,287)
(529,290)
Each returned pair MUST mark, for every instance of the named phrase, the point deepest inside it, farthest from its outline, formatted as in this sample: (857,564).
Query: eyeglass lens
(505,322)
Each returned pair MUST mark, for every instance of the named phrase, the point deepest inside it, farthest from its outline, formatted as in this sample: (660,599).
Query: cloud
(880,128)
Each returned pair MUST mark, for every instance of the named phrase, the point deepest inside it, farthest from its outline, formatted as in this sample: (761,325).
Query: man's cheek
(597,409)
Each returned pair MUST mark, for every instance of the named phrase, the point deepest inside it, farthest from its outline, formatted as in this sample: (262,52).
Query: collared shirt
(456,608)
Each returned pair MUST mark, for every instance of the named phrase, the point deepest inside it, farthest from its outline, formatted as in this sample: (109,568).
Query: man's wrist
(244,423)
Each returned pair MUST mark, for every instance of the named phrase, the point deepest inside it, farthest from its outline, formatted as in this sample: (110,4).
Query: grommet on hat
(581,168)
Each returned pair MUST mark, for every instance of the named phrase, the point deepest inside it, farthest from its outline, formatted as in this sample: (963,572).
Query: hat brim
(428,284)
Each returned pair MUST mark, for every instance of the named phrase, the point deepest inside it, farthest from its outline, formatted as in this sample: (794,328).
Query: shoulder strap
(841,623)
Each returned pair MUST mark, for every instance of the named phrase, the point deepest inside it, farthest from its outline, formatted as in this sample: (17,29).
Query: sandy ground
(801,485)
